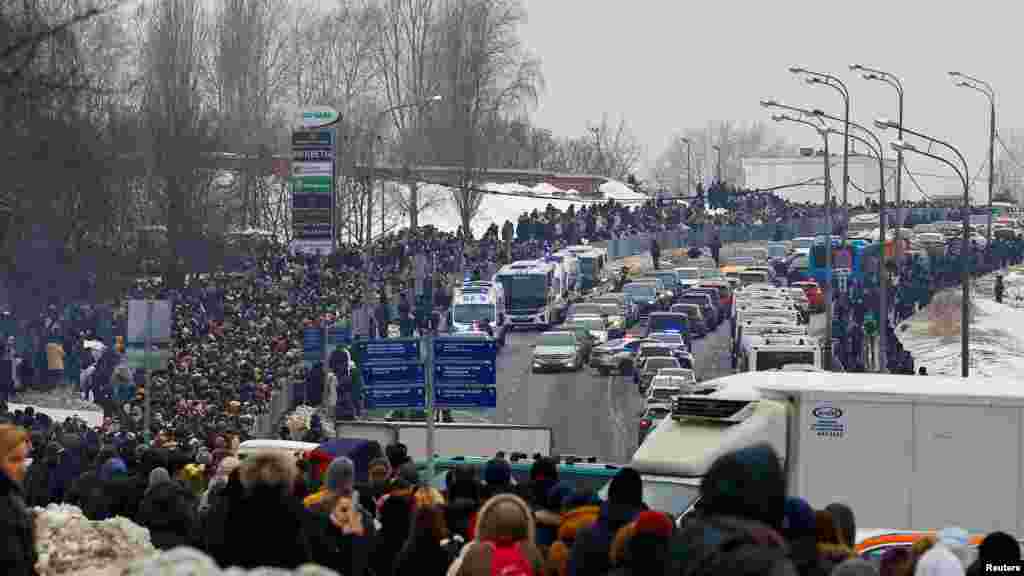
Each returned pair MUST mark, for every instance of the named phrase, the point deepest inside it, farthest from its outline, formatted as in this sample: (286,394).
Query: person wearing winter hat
(157,476)
(579,511)
(641,547)
(996,548)
(739,518)
(832,550)
(748,484)
(897,561)
(846,524)
(505,540)
(798,530)
(939,560)
(590,552)
(497,477)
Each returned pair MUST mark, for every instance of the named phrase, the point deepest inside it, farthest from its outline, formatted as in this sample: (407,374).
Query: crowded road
(589,414)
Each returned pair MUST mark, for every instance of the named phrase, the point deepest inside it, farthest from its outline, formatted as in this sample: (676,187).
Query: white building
(800,179)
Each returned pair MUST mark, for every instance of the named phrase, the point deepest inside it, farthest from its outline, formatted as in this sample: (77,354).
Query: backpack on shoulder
(509,560)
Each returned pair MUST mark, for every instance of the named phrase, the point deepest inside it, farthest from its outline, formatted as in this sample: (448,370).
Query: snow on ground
(513,200)
(932,335)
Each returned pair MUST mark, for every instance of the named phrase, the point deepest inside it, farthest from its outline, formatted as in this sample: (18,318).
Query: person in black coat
(258,522)
(423,552)
(17,532)
(40,484)
(168,510)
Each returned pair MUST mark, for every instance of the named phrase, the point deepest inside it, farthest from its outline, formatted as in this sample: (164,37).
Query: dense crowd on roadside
(268,510)
(238,336)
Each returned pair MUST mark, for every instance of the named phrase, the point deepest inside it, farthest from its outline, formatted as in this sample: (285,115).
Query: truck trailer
(904,452)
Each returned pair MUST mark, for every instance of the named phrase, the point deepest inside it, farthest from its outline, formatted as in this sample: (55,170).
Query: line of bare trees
(112,111)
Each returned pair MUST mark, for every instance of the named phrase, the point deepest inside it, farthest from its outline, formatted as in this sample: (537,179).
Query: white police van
(479,307)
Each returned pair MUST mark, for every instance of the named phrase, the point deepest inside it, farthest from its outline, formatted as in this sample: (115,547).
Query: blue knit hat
(798,517)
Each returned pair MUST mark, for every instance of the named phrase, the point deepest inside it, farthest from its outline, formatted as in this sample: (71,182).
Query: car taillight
(645,423)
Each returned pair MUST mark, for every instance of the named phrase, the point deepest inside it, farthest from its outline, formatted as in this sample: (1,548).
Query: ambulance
(479,307)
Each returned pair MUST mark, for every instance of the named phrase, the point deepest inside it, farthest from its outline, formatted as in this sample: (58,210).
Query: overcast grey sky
(665,66)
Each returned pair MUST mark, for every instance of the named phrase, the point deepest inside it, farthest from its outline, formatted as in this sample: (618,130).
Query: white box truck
(904,452)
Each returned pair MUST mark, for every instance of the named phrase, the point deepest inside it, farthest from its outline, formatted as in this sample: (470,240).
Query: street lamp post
(689,176)
(838,85)
(883,273)
(827,346)
(718,162)
(964,274)
(894,81)
(965,81)
(965,242)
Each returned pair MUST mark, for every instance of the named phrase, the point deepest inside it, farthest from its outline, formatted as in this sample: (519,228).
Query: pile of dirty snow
(932,335)
(191,562)
(69,543)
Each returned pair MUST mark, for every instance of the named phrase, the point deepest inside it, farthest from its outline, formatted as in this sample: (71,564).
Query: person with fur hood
(579,511)
(505,541)
(641,547)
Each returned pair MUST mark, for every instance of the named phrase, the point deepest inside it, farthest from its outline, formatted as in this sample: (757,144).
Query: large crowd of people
(237,337)
(269,510)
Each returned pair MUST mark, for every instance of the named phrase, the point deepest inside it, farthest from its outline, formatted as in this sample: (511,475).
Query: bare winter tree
(485,74)
(406,54)
(179,123)
(250,78)
(736,141)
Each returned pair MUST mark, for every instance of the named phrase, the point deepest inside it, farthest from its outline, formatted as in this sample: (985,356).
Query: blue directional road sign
(393,376)
(466,397)
(465,373)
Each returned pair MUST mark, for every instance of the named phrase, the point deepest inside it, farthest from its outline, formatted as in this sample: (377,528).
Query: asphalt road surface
(589,414)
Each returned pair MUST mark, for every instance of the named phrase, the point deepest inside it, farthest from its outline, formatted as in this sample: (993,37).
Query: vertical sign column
(314,152)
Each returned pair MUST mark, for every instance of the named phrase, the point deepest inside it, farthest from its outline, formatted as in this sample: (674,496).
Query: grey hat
(341,475)
(158,476)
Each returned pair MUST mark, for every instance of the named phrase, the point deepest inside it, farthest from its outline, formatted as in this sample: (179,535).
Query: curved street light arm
(830,80)
(975,81)
(972,86)
(817,128)
(945,161)
(820,114)
(947,145)
(801,111)
(874,148)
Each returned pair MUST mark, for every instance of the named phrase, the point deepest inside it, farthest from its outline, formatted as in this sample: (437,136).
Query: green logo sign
(318,117)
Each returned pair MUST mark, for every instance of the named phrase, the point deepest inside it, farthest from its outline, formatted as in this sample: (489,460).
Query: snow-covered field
(514,200)
(996,335)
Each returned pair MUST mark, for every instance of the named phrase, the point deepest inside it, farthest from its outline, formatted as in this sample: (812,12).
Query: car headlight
(650,301)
